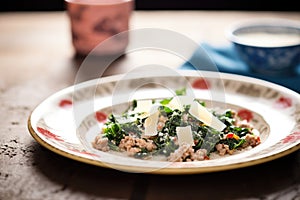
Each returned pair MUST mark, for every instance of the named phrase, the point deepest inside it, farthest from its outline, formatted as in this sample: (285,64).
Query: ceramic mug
(95,22)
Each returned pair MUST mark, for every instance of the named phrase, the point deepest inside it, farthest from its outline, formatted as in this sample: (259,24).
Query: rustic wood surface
(37,60)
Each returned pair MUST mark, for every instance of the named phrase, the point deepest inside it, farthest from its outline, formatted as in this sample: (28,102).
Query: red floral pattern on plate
(101,117)
(200,83)
(48,134)
(283,102)
(245,114)
(65,103)
(292,137)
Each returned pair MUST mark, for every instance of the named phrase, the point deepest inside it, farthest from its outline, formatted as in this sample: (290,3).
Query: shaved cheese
(201,113)
(179,101)
(154,109)
(142,107)
(151,122)
(184,135)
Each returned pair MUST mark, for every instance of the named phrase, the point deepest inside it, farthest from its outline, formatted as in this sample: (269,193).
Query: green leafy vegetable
(181,92)
(165,101)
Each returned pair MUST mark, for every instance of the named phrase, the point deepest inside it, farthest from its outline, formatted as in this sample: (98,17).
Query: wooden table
(37,59)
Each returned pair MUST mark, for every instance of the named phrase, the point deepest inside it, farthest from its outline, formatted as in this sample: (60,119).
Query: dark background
(251,5)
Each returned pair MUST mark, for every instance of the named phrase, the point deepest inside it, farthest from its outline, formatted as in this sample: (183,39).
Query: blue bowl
(269,46)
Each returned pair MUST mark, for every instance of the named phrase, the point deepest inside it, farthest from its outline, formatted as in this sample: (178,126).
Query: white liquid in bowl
(262,39)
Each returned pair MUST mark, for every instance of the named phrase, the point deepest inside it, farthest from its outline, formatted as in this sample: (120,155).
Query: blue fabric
(226,60)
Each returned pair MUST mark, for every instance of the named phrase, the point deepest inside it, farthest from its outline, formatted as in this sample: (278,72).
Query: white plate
(67,122)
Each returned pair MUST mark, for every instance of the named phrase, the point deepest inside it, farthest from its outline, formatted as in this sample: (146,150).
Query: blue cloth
(225,59)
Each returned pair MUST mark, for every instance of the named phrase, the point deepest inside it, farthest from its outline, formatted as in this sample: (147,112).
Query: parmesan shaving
(151,122)
(201,113)
(184,135)
(143,107)
(179,101)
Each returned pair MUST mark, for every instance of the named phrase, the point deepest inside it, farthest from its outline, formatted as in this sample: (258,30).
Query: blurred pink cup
(94,21)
